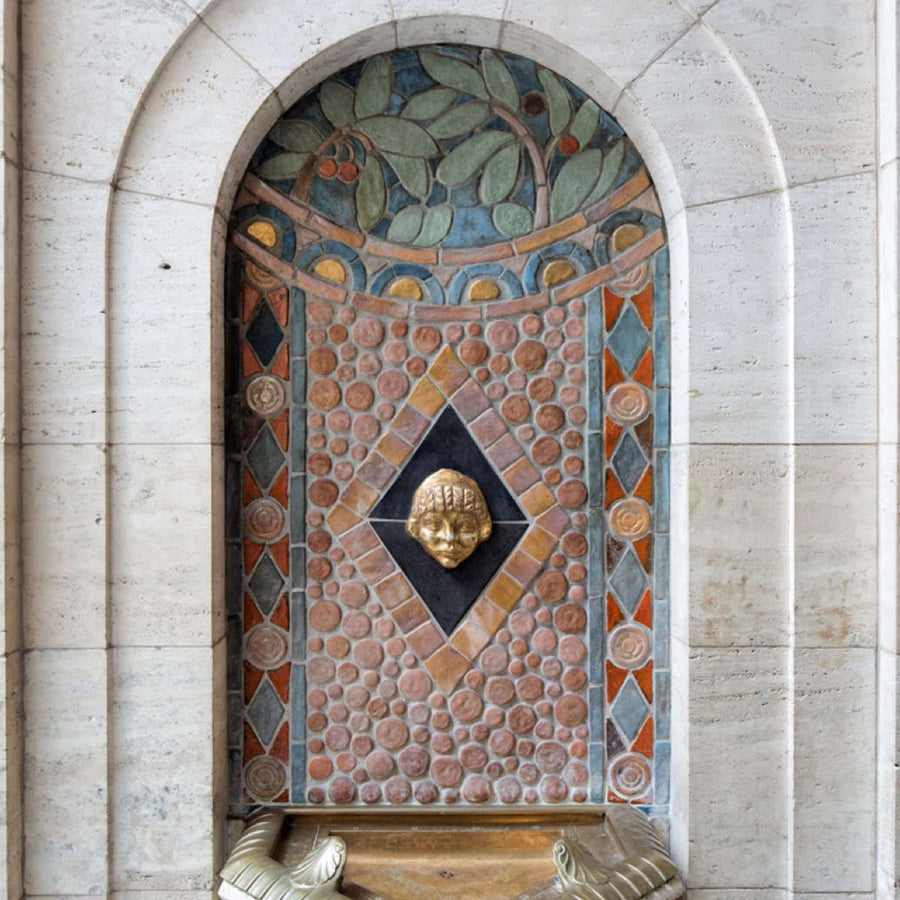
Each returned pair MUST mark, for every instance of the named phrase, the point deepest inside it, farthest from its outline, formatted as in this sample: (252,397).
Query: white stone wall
(770,128)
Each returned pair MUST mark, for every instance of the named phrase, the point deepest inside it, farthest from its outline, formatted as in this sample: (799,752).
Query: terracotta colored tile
(546,236)
(252,678)
(644,489)
(491,253)
(611,434)
(281,680)
(643,303)
(376,470)
(555,520)
(612,305)
(516,307)
(644,611)
(643,548)
(428,313)
(252,746)
(281,553)
(644,371)
(279,300)
(341,518)
(469,401)
(612,373)
(521,475)
(505,451)
(539,543)
(426,256)
(329,229)
(249,298)
(522,567)
(470,640)
(410,615)
(249,364)
(643,743)
(426,398)
(613,613)
(409,424)
(280,615)
(280,427)
(375,565)
(252,553)
(613,490)
(644,678)
(424,640)
(393,590)
(535,500)
(380,306)
(252,615)
(486,615)
(615,678)
(393,448)
(360,540)
(359,497)
(643,433)
(250,490)
(488,427)
(281,746)
(281,366)
(447,372)
(278,491)
(504,591)
(446,667)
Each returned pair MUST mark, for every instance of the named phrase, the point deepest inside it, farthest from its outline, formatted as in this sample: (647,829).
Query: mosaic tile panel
(447,257)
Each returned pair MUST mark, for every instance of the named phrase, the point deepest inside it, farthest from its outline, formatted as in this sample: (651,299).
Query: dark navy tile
(266,584)
(234,632)
(298,440)
(233,356)
(232,499)
(265,457)
(234,581)
(629,462)
(264,334)
(298,625)
(265,712)
(298,382)
(614,742)
(298,567)
(298,323)
(297,503)
(235,718)
(629,581)
(235,778)
(629,339)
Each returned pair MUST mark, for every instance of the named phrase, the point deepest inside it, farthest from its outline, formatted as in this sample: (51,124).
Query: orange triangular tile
(644,434)
(281,680)
(643,743)
(279,300)
(643,303)
(280,427)
(613,488)
(613,613)
(278,491)
(252,678)
(612,303)
(249,364)
(281,554)
(252,746)
(251,491)
(644,489)
(282,744)
(614,798)
(252,615)
(612,374)
(281,798)
(644,371)
(614,680)
(642,548)
(281,367)
(249,298)
(252,553)
(611,434)
(280,615)
(644,611)
(644,678)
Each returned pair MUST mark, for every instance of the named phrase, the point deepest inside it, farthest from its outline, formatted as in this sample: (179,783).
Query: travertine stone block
(835,310)
(161,757)
(739,579)
(64,534)
(66,771)
(834,770)
(63,305)
(835,546)
(738,724)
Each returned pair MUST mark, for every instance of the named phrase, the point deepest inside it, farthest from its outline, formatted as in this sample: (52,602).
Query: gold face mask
(449,517)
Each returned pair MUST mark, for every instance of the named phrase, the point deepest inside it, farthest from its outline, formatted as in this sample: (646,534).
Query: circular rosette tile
(628,403)
(629,646)
(264,777)
(629,774)
(265,396)
(629,519)
(267,647)
(264,518)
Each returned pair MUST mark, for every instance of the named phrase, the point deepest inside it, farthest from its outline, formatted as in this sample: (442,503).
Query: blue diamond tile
(264,334)
(629,709)
(266,584)
(265,457)
(629,462)
(628,581)
(265,712)
(629,339)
